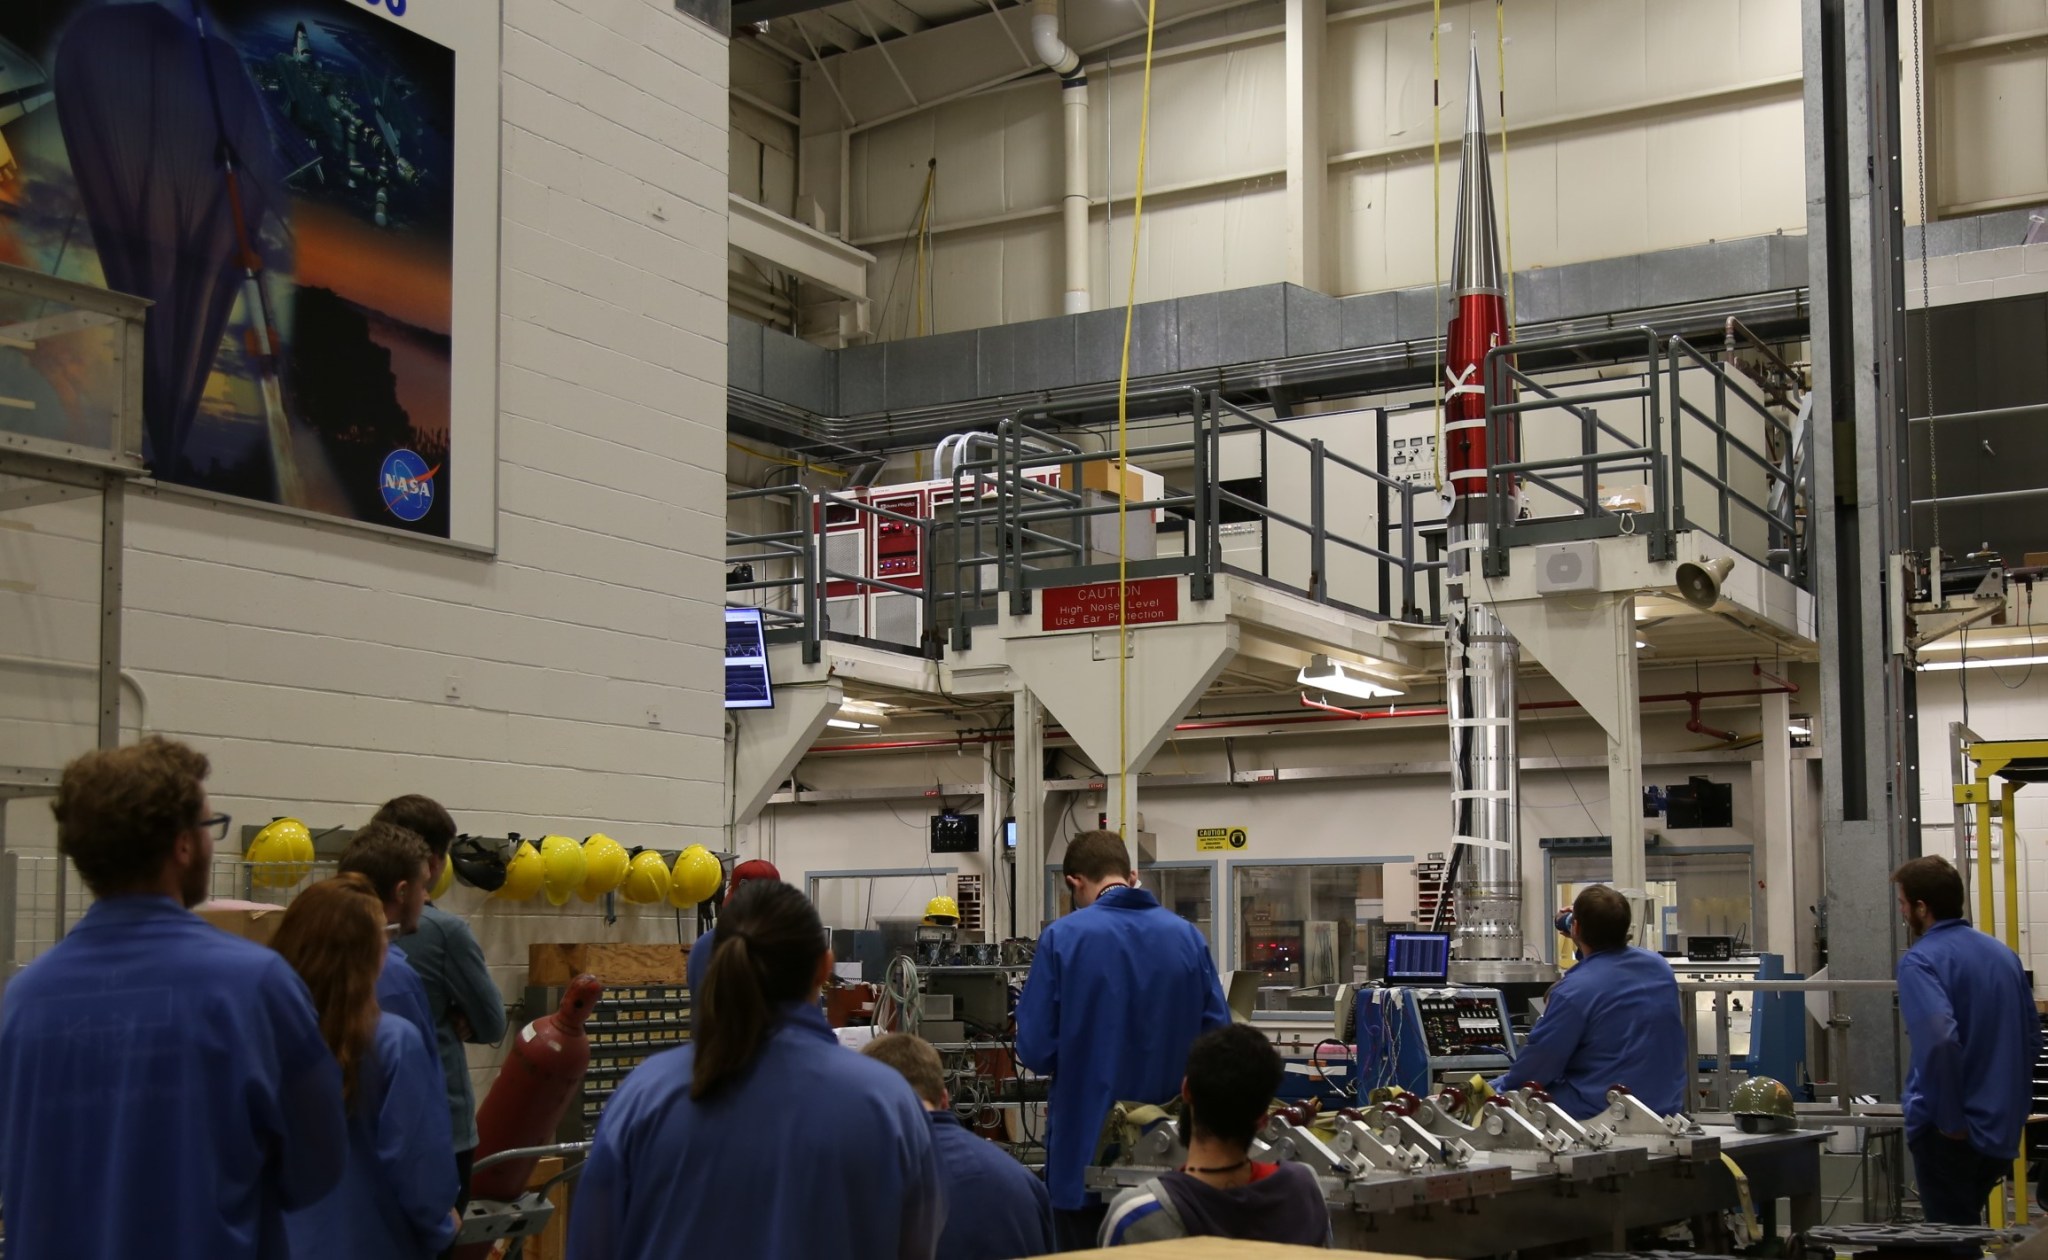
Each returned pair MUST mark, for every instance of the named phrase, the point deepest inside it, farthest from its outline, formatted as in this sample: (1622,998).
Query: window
(860,899)
(1696,893)
(1305,928)
(1186,888)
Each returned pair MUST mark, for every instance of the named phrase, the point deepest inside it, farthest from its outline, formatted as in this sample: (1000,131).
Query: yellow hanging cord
(1507,178)
(1436,227)
(924,238)
(1123,453)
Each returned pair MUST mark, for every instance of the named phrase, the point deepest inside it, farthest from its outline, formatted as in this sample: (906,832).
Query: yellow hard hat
(562,868)
(444,881)
(696,877)
(646,879)
(942,912)
(280,855)
(522,874)
(604,866)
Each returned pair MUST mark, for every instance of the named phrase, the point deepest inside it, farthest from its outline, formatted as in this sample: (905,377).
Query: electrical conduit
(1066,63)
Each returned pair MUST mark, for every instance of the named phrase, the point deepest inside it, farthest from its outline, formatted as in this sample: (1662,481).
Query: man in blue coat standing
(164,1088)
(1971,1018)
(1117,993)
(399,866)
(1614,1019)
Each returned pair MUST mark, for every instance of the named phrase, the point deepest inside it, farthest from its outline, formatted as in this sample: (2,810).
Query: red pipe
(1336,713)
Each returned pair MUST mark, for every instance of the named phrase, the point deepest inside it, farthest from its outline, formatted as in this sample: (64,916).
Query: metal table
(1490,1210)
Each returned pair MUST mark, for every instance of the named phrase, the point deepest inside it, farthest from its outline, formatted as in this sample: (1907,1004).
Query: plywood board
(613,964)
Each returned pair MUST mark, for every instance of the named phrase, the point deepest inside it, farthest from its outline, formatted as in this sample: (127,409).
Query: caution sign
(1222,839)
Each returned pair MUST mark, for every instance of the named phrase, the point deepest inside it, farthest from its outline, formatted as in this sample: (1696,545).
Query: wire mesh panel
(48,898)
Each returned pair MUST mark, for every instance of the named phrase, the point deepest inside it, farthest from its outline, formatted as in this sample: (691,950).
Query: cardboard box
(250,920)
(1109,477)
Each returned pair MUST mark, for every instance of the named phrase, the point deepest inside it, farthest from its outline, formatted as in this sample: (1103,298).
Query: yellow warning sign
(1221,839)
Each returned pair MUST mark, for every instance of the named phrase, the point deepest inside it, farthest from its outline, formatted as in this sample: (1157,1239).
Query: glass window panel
(1306,929)
(1188,891)
(859,901)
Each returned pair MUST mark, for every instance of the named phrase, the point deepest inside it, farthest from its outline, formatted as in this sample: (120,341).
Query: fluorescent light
(864,708)
(1979,662)
(1800,729)
(1958,642)
(1642,643)
(1325,674)
(845,725)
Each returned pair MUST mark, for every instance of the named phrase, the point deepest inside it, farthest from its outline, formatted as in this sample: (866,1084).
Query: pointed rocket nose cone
(1475,245)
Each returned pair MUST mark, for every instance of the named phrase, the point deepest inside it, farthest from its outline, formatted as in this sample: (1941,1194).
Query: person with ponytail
(763,1137)
(397,1195)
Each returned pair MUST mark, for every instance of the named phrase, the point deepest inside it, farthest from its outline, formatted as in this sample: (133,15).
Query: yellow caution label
(1222,839)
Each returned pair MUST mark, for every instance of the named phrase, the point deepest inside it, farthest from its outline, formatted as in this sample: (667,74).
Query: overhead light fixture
(1958,643)
(846,724)
(859,715)
(1325,674)
(1800,729)
(1642,643)
(1983,662)
(865,708)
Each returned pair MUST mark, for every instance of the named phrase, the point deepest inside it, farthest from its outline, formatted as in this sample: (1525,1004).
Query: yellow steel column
(1987,913)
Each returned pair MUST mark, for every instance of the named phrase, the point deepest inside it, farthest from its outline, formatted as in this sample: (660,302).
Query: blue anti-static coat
(1613,1019)
(996,1209)
(401,992)
(1971,1020)
(817,1152)
(1117,994)
(164,1092)
(395,1197)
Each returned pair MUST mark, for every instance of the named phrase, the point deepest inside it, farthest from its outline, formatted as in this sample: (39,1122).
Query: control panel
(1455,1026)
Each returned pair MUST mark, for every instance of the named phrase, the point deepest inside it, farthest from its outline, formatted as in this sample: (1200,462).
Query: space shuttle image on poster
(277,178)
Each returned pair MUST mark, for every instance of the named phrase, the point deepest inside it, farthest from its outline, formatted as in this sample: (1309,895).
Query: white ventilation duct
(1066,63)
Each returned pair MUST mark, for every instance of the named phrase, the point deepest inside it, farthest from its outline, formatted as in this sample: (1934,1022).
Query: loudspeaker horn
(1699,583)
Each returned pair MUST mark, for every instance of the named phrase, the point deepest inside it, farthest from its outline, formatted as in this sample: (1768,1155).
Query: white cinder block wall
(572,682)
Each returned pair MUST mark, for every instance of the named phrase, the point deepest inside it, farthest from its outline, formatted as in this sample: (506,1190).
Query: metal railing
(788,595)
(1646,474)
(1719,1080)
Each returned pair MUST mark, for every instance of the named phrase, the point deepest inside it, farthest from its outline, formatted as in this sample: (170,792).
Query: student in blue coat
(164,1090)
(1614,1019)
(399,866)
(763,1137)
(397,1197)
(1970,1016)
(996,1209)
(1117,993)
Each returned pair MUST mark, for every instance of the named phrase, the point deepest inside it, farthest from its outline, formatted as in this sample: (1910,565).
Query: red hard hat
(749,870)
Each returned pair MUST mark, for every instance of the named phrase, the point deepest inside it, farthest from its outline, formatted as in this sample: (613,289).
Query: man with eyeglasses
(164,1087)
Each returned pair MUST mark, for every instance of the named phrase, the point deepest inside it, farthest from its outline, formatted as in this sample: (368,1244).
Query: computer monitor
(1418,958)
(747,685)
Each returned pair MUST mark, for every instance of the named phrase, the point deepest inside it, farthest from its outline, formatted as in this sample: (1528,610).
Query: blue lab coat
(401,992)
(1971,1018)
(1614,1019)
(164,1092)
(995,1208)
(451,967)
(817,1152)
(399,1187)
(1117,994)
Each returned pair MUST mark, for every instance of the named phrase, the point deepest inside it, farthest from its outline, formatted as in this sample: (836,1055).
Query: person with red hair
(397,1194)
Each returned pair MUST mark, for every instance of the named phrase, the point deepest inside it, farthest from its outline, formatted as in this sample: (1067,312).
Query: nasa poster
(306,191)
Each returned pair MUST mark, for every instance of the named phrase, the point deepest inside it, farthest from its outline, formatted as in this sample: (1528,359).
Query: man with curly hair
(164,1087)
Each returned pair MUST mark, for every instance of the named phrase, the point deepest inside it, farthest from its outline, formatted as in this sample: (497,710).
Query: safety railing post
(1677,461)
(1721,456)
(1318,535)
(1202,584)
(807,571)
(1408,549)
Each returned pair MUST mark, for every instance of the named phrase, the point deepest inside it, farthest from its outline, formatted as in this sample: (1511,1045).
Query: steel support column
(1027,768)
(1860,510)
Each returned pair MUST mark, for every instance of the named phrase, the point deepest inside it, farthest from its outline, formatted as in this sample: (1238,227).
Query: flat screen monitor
(1418,958)
(1010,834)
(747,685)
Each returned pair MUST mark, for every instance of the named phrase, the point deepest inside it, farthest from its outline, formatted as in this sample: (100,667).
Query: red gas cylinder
(533,1090)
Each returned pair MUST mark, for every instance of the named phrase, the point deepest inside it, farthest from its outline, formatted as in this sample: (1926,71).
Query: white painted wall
(572,682)
(1635,127)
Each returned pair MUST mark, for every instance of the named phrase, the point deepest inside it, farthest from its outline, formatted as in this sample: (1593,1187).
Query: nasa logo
(407,484)
(396,7)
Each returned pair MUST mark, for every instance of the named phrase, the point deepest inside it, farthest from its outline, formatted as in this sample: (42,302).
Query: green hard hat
(1763,1105)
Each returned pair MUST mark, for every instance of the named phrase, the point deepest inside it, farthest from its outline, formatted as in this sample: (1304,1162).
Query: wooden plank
(549,965)
(551,1243)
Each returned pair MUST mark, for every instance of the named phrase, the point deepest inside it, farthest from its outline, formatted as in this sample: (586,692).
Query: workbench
(1486,1210)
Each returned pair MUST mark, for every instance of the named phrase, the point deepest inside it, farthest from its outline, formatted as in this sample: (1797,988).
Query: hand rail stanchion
(1318,558)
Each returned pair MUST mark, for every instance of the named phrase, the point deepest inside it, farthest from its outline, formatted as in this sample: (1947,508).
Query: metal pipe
(1993,413)
(1997,496)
